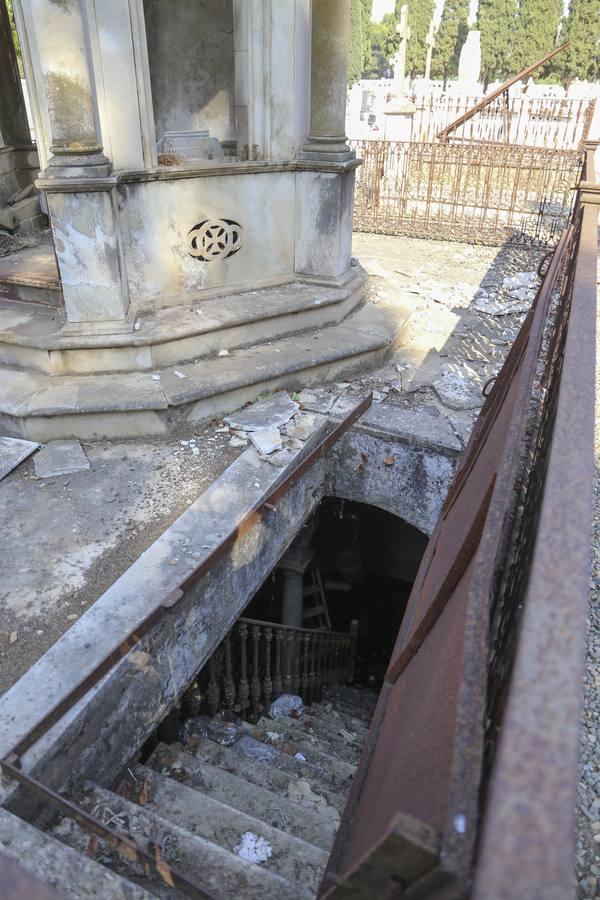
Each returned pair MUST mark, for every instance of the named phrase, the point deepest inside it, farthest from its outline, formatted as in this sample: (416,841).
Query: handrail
(525,73)
(294,627)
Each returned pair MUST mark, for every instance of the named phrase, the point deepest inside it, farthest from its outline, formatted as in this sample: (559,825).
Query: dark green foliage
(15,37)
(535,35)
(383,43)
(496,19)
(581,59)
(450,38)
(357,42)
(420,13)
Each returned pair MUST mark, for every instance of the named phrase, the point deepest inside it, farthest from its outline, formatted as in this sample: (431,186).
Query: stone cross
(430,41)
(403,30)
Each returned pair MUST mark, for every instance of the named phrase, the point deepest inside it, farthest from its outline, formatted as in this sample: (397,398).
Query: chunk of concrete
(12,452)
(266,440)
(60,458)
(269,413)
(457,392)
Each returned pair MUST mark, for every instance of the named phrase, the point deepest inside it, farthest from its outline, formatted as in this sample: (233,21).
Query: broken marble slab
(500,308)
(520,280)
(12,452)
(266,440)
(300,427)
(317,399)
(271,412)
(458,392)
(60,458)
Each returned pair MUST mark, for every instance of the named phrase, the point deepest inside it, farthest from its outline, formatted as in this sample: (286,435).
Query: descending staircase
(201,800)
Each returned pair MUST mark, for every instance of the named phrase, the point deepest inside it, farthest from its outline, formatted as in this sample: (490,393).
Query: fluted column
(328,81)
(61,52)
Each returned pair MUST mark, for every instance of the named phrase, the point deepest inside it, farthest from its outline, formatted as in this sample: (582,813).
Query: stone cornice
(178,173)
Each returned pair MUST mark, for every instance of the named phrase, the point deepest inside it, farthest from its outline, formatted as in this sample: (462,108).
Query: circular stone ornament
(215,239)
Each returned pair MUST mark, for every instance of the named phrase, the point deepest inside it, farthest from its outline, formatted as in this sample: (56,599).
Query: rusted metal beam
(528,839)
(525,73)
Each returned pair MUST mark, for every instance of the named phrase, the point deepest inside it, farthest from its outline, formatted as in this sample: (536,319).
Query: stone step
(301,863)
(336,715)
(330,759)
(331,721)
(71,874)
(249,798)
(301,737)
(351,711)
(298,781)
(38,406)
(328,729)
(203,862)
(30,276)
(177,334)
(359,699)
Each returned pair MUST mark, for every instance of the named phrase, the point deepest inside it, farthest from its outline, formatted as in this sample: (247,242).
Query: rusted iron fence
(467,784)
(479,192)
(258,661)
(525,121)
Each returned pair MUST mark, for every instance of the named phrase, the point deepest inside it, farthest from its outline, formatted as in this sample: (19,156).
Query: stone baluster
(277,682)
(267,683)
(352,660)
(244,690)
(296,660)
(229,686)
(213,687)
(328,81)
(311,675)
(305,666)
(288,661)
(255,683)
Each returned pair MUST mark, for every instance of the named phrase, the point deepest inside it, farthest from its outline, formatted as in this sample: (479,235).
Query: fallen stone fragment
(457,392)
(12,452)
(317,400)
(520,280)
(301,427)
(253,848)
(272,412)
(238,442)
(279,459)
(60,458)
(266,440)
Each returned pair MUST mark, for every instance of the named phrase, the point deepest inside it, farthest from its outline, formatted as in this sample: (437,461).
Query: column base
(77,165)
(327,152)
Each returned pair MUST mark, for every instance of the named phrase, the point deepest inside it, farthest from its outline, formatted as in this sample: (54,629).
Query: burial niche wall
(190,52)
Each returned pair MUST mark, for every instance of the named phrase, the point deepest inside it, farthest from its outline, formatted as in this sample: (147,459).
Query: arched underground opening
(325,619)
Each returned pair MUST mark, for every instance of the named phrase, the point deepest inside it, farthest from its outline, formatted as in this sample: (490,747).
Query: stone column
(328,81)
(292,607)
(59,43)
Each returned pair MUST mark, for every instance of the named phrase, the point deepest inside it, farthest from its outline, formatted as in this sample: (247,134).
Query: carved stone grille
(215,239)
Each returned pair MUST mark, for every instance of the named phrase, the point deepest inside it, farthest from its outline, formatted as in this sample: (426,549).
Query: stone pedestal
(399,120)
(324,203)
(85,228)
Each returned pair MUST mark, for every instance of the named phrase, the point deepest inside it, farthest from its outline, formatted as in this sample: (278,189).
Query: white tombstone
(469,65)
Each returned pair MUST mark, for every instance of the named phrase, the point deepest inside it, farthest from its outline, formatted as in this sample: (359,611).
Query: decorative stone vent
(216,239)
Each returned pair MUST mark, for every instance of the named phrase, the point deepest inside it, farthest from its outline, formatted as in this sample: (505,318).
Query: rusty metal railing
(470,768)
(258,661)
(480,192)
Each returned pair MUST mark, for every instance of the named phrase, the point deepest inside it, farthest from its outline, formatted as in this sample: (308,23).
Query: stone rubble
(60,458)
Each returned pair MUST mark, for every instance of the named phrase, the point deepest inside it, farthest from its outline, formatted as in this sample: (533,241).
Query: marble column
(328,81)
(60,46)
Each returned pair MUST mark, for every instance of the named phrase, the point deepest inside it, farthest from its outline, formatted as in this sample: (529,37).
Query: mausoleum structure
(199,187)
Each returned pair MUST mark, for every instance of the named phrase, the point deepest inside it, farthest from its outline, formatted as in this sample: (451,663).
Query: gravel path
(588,812)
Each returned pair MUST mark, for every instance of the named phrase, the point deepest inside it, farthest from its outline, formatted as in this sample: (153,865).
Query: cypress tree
(535,35)
(496,21)
(451,35)
(420,13)
(356,51)
(581,59)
